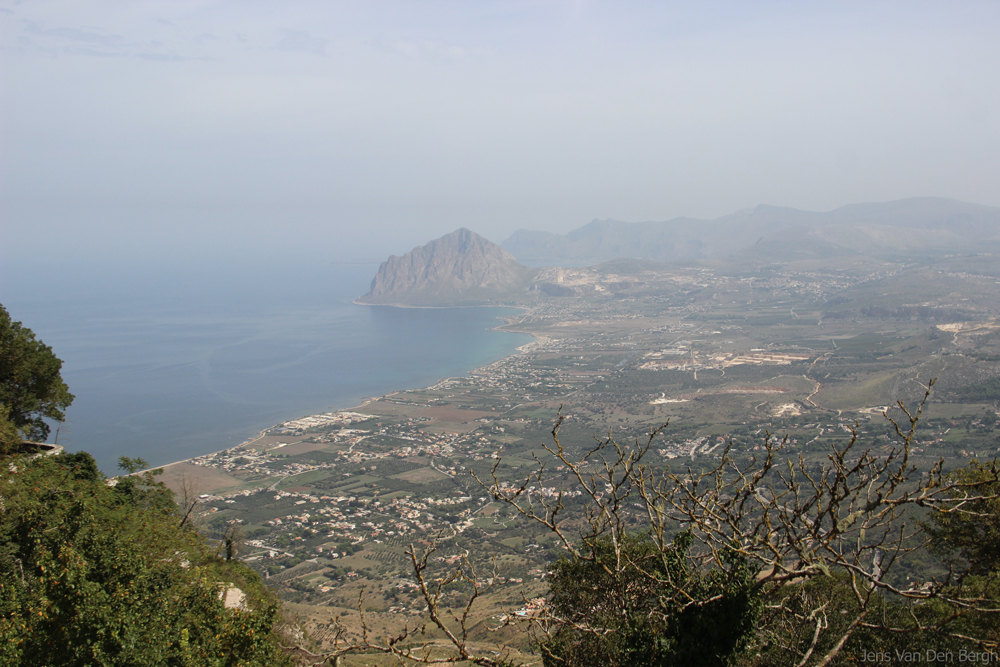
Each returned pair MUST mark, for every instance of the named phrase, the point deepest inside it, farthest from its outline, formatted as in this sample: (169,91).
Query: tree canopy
(630,591)
(31,387)
(95,574)
(971,539)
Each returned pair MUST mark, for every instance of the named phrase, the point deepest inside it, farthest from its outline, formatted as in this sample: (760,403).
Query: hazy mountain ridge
(919,225)
(463,268)
(460,268)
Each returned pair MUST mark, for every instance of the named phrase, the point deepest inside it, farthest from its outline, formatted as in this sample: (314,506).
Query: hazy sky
(181,130)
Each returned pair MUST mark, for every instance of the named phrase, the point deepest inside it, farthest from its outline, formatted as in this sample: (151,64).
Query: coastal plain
(725,352)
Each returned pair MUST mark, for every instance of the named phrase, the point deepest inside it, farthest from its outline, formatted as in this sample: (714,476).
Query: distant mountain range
(908,227)
(463,268)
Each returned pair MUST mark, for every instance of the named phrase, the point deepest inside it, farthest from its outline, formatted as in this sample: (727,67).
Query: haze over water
(168,367)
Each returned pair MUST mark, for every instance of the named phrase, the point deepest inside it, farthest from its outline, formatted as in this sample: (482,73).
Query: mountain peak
(460,268)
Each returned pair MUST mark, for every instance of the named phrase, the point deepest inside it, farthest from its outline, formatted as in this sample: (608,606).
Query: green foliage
(972,535)
(92,574)
(10,438)
(31,388)
(131,465)
(646,605)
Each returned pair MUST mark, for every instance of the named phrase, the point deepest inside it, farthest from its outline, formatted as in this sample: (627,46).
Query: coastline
(521,349)
(225,449)
(358,302)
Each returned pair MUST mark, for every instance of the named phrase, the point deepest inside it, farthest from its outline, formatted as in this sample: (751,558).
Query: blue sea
(167,365)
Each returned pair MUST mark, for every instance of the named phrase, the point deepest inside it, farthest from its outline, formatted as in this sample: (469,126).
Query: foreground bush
(94,574)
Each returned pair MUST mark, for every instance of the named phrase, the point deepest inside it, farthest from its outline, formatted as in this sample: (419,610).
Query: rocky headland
(458,269)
